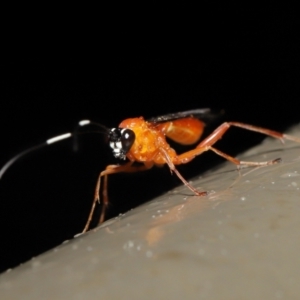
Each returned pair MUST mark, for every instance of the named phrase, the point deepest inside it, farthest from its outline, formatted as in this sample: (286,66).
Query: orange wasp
(144,141)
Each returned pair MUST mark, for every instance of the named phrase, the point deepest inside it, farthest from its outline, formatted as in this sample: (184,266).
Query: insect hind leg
(238,162)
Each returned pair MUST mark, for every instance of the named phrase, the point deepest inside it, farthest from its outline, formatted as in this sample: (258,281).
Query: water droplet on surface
(289,174)
(77,235)
(149,254)
(128,245)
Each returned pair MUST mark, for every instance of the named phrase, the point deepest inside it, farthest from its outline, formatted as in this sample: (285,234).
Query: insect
(144,141)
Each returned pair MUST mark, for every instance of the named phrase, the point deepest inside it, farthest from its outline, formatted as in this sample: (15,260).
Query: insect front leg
(110,169)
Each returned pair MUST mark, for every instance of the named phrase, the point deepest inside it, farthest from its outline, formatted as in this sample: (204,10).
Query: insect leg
(173,169)
(110,169)
(208,142)
(219,132)
(240,162)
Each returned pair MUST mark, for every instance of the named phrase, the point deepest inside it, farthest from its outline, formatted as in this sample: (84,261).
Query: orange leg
(207,144)
(173,169)
(110,169)
(218,133)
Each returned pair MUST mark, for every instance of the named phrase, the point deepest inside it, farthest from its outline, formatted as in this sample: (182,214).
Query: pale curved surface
(240,242)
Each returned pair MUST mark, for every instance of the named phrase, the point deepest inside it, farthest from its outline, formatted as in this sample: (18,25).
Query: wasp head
(120,141)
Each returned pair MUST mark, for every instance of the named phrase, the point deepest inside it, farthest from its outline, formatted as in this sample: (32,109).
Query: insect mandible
(144,141)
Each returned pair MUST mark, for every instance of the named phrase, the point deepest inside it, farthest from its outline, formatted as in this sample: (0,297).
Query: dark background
(241,60)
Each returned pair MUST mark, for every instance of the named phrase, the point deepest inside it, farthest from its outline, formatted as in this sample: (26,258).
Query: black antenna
(83,123)
(51,141)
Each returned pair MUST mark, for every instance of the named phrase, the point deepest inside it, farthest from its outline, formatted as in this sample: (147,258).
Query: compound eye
(127,139)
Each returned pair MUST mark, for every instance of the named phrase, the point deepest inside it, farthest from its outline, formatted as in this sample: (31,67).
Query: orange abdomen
(185,131)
